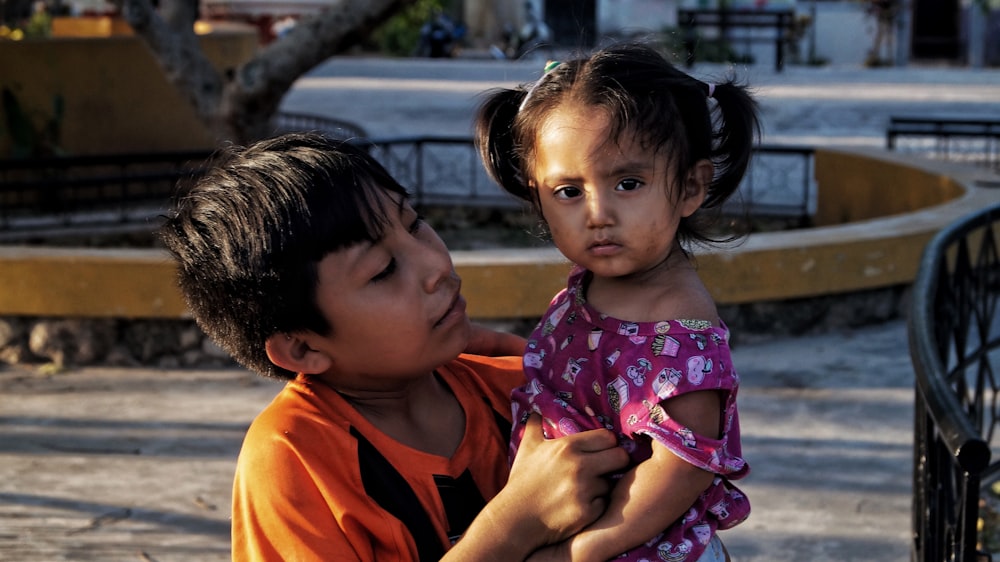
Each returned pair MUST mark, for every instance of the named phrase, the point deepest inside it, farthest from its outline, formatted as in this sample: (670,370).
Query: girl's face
(612,207)
(395,306)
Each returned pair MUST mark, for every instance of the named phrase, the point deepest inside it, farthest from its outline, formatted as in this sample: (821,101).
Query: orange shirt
(316,481)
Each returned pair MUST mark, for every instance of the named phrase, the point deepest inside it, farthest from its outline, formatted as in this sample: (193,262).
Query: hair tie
(545,72)
(711,89)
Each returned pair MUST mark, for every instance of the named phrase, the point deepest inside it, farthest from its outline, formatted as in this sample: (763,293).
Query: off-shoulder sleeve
(682,363)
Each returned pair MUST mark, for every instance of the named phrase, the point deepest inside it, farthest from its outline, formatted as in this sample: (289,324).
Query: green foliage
(27,140)
(39,25)
(401,34)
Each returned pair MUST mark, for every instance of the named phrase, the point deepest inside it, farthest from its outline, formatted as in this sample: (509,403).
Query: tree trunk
(179,14)
(239,108)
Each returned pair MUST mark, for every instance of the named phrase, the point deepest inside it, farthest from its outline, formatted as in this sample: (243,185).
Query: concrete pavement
(843,106)
(107,464)
(136,464)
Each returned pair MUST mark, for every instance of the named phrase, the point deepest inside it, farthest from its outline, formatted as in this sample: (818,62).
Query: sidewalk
(111,465)
(839,106)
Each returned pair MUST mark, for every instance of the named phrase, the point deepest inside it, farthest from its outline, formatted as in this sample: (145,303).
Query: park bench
(969,139)
(747,23)
(953,340)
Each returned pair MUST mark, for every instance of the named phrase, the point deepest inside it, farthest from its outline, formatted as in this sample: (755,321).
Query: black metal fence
(439,170)
(80,192)
(974,140)
(447,170)
(135,189)
(954,338)
(287,122)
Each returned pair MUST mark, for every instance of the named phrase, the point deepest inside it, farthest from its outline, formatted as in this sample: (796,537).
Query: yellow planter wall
(867,253)
(856,187)
(116,96)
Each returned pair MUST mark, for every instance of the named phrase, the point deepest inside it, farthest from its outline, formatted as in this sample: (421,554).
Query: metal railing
(957,139)
(447,170)
(83,193)
(954,340)
(135,189)
(287,122)
(439,170)
(79,192)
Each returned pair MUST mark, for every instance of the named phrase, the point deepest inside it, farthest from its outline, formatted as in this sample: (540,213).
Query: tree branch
(260,84)
(239,108)
(180,56)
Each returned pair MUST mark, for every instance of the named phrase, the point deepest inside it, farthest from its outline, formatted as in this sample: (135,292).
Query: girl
(624,157)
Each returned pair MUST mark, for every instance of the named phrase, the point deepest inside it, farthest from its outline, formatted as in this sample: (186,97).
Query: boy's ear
(292,352)
(696,186)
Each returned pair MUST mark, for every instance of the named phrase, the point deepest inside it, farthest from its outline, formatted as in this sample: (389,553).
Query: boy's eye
(567,192)
(629,185)
(385,273)
(417,224)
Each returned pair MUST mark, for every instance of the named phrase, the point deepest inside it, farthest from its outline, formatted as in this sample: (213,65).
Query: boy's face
(394,305)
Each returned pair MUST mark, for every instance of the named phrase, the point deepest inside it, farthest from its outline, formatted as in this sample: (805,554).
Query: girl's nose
(598,211)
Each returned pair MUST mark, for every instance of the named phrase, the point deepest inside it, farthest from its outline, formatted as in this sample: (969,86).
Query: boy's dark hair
(646,96)
(248,236)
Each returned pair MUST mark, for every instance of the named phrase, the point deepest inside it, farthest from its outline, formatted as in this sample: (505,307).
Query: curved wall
(894,204)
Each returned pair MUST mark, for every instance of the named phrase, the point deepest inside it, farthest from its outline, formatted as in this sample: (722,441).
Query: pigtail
(494,138)
(737,129)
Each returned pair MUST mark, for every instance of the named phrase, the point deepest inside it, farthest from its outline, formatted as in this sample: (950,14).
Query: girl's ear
(696,186)
(292,352)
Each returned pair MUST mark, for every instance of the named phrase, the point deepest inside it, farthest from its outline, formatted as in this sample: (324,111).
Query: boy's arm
(555,488)
(653,494)
(494,343)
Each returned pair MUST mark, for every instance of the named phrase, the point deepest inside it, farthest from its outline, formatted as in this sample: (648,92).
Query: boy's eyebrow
(401,203)
(380,210)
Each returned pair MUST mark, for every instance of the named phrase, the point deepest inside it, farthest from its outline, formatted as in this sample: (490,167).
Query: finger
(608,461)
(593,440)
(532,433)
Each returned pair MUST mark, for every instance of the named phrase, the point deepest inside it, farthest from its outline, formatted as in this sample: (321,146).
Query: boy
(302,258)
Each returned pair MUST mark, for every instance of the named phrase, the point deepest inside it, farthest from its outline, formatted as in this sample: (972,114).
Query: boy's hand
(556,487)
(564,481)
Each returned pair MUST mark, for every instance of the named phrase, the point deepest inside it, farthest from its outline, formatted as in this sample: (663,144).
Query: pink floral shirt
(586,370)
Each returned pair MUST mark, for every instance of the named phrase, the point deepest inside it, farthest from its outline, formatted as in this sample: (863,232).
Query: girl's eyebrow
(640,165)
(558,178)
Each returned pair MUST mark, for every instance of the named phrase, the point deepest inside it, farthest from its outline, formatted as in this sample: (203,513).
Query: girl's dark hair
(248,235)
(644,95)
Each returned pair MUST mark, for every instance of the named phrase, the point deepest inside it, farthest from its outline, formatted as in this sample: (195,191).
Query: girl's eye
(385,273)
(567,192)
(629,185)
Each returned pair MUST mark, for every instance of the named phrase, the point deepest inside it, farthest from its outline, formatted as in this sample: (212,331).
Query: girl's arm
(652,495)
(536,508)
(494,343)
